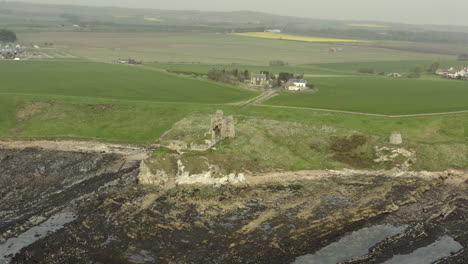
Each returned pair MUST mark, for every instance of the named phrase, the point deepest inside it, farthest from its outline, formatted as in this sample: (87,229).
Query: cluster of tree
(433,67)
(367,70)
(416,71)
(228,76)
(283,77)
(73,19)
(235,76)
(191,73)
(463,57)
(278,63)
(246,29)
(7,35)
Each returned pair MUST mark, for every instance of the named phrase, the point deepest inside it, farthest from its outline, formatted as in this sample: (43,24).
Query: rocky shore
(269,218)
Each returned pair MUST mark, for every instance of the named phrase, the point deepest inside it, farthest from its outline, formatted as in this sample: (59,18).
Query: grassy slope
(97,80)
(298,139)
(381,95)
(268,138)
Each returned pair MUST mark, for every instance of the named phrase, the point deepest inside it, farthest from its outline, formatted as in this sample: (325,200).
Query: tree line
(236,76)
(395,35)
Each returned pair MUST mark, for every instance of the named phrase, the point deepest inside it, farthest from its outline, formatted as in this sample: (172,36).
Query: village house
(296,85)
(453,73)
(259,79)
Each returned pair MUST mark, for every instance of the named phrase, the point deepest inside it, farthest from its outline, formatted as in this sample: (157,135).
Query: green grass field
(125,104)
(386,66)
(381,95)
(99,80)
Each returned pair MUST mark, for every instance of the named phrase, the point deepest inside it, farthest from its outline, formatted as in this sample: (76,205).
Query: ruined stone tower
(221,127)
(396,138)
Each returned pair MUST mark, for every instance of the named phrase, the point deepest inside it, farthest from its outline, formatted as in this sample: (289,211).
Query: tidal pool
(354,245)
(14,245)
(440,249)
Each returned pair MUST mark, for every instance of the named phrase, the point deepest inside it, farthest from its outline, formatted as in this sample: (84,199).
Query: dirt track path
(363,114)
(259,99)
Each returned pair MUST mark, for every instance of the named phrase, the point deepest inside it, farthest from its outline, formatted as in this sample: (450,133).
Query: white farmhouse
(463,72)
(453,73)
(296,85)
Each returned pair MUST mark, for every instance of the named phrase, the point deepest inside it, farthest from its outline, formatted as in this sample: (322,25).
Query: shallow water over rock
(14,245)
(440,249)
(354,245)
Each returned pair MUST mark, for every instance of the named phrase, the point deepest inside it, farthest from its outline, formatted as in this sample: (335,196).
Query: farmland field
(211,48)
(99,80)
(385,66)
(366,25)
(381,95)
(125,104)
(281,36)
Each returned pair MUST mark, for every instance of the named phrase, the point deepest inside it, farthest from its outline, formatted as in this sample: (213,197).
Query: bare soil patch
(30,109)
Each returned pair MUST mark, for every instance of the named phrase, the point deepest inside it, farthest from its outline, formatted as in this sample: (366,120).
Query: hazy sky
(453,12)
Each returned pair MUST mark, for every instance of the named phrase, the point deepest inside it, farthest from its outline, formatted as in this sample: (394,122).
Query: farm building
(128,61)
(296,85)
(332,49)
(273,30)
(453,73)
(394,75)
(8,53)
(259,79)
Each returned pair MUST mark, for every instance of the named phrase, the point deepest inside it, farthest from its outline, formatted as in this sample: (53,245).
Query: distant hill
(27,17)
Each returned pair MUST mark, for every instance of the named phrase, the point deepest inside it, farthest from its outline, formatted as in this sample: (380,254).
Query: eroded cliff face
(180,218)
(207,174)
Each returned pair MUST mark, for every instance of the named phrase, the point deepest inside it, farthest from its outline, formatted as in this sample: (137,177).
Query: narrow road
(363,114)
(259,99)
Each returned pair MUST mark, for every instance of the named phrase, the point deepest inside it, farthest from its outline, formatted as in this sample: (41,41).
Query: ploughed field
(99,80)
(378,95)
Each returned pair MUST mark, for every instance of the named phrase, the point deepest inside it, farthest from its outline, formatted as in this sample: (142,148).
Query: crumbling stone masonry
(396,138)
(221,127)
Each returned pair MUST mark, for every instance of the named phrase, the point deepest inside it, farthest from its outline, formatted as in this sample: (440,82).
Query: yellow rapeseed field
(152,19)
(292,37)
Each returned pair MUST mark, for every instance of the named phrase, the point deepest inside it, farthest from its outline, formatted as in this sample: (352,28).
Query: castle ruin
(396,138)
(221,127)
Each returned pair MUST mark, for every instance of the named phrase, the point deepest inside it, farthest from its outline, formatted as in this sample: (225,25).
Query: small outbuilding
(394,75)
